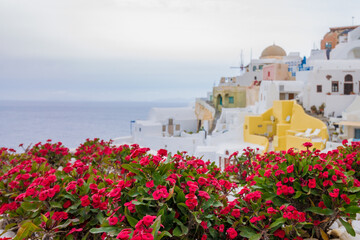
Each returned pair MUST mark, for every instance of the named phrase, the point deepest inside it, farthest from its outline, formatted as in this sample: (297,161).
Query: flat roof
(350,123)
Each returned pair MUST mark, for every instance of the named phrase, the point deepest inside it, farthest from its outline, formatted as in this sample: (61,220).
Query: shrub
(102,191)
(302,194)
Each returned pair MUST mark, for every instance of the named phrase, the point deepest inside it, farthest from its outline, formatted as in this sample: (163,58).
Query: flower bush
(103,191)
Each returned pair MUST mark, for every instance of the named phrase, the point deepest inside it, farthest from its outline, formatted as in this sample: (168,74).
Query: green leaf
(352,209)
(44,218)
(348,227)
(163,234)
(177,232)
(247,232)
(30,206)
(183,208)
(156,226)
(132,221)
(305,170)
(214,234)
(354,189)
(54,204)
(133,170)
(8,227)
(208,203)
(67,223)
(256,236)
(218,204)
(26,229)
(278,222)
(320,211)
(184,229)
(180,196)
(103,229)
(298,194)
(327,201)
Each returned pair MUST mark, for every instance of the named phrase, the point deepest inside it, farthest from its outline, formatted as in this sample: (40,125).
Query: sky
(148,50)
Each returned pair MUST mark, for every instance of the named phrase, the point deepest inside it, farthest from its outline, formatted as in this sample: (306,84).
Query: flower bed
(107,192)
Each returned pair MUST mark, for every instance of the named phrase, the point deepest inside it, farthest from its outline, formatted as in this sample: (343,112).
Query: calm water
(69,122)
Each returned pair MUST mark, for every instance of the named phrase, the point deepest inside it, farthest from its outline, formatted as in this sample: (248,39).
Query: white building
(350,124)
(334,81)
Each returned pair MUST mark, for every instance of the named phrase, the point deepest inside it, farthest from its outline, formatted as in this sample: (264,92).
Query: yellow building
(287,125)
(229,97)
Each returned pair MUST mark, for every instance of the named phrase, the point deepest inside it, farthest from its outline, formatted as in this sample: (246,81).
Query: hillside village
(280,101)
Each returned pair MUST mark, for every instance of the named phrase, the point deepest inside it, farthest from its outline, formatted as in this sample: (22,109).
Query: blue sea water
(69,122)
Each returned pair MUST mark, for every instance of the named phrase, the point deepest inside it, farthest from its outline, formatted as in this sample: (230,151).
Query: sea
(30,122)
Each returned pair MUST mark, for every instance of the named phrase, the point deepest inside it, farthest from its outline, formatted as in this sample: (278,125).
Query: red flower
(85,201)
(308,144)
(74,230)
(272,210)
(113,221)
(148,220)
(204,195)
(345,198)
(162,152)
(231,233)
(204,224)
(115,193)
(43,196)
(334,193)
(279,233)
(267,173)
(316,222)
(290,168)
(312,183)
(235,213)
(191,203)
(321,205)
(58,216)
(150,184)
(124,234)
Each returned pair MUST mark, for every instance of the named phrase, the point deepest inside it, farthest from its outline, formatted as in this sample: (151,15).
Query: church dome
(273,51)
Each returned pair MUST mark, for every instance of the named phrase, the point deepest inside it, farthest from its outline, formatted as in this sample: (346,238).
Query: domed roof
(273,51)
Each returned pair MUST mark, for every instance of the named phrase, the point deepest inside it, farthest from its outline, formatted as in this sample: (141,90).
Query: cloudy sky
(142,50)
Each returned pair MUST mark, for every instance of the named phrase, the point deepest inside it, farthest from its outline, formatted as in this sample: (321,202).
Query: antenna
(250,58)
(241,67)
(352,20)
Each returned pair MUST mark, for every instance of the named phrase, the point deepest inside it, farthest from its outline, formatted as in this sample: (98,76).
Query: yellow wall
(283,131)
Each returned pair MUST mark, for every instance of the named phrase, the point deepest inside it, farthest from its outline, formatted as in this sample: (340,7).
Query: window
(319,88)
(328,45)
(164,128)
(231,99)
(177,127)
(281,88)
(335,86)
(348,78)
(254,68)
(171,121)
(261,67)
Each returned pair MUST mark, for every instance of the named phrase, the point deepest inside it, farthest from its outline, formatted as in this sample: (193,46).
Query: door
(348,88)
(291,96)
(357,133)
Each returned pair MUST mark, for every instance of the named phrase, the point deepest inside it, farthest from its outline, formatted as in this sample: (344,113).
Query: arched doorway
(219,101)
(348,84)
